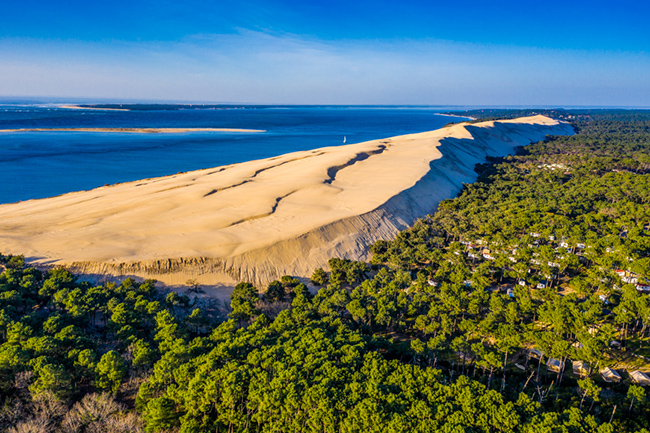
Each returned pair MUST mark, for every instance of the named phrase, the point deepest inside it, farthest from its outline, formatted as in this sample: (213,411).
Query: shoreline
(134,130)
(456,115)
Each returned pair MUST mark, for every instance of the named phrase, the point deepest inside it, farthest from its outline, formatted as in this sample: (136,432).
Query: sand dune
(261,219)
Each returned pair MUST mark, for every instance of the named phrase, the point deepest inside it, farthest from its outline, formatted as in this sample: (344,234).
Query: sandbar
(134,130)
(79,107)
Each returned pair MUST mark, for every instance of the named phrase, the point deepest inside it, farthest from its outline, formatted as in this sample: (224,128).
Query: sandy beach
(261,219)
(133,130)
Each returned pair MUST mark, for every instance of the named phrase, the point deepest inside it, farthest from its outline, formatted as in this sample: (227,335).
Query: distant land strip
(159,107)
(90,107)
(133,130)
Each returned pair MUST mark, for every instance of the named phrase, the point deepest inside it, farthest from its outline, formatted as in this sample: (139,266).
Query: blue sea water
(45,164)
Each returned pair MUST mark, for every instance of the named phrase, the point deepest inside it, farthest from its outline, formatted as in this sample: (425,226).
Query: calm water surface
(45,164)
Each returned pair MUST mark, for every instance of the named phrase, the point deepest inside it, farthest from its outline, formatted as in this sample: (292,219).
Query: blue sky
(336,52)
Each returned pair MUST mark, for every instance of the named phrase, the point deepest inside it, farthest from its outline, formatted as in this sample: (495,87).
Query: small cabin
(643,287)
(580,368)
(640,378)
(610,375)
(555,365)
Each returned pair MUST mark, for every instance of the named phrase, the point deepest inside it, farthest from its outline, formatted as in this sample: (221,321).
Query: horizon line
(63,100)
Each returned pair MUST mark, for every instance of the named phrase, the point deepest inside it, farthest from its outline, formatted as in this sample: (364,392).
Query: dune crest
(258,220)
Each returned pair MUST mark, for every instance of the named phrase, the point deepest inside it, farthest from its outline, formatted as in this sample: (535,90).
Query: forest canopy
(521,305)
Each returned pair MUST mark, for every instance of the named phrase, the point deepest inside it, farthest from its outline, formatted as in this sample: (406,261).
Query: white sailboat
(344,139)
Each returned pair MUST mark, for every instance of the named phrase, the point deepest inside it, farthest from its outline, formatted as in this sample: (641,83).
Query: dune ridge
(258,220)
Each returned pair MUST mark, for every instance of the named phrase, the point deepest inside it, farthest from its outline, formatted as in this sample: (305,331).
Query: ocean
(44,164)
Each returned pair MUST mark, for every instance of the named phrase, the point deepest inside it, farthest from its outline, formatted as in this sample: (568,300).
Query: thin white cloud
(261,67)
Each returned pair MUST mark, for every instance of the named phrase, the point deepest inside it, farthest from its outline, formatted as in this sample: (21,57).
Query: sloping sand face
(258,220)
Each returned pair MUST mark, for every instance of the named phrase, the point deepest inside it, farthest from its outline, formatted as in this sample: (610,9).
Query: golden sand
(261,219)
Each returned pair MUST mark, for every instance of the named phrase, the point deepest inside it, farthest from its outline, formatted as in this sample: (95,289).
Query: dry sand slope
(258,220)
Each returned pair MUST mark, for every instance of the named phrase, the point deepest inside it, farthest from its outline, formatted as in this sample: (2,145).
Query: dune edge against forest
(259,220)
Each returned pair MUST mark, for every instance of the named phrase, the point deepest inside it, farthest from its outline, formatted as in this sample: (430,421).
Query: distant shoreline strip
(81,107)
(134,130)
